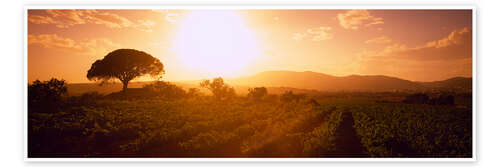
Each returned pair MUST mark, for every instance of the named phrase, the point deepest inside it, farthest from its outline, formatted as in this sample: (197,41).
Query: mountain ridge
(325,82)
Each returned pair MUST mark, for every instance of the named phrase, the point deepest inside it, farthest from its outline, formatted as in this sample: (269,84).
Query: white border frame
(255,7)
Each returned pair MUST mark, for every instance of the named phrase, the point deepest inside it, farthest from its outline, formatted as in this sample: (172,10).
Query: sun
(215,43)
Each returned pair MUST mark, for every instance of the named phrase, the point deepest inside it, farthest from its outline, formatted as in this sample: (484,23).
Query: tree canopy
(125,65)
(219,89)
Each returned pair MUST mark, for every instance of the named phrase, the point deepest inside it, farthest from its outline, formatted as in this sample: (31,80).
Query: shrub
(46,96)
(219,89)
(417,98)
(165,90)
(443,100)
(193,92)
(257,94)
(289,97)
(86,99)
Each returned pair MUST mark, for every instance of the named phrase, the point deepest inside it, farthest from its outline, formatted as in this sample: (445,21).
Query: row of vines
(198,127)
(414,130)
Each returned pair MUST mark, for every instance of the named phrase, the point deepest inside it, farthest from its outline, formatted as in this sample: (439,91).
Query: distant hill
(457,83)
(281,81)
(324,82)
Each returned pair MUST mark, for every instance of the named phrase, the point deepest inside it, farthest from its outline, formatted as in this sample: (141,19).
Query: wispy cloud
(356,19)
(61,18)
(299,36)
(41,19)
(457,45)
(314,34)
(320,33)
(169,15)
(109,20)
(69,18)
(53,41)
(379,40)
(145,25)
(446,57)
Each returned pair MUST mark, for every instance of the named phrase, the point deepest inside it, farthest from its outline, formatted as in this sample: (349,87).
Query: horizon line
(231,78)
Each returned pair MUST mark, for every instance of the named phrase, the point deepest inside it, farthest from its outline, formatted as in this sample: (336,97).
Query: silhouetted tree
(219,89)
(257,93)
(125,65)
(45,96)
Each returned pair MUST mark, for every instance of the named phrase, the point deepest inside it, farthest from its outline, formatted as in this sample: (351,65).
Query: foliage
(186,127)
(193,92)
(86,99)
(47,95)
(93,125)
(125,65)
(443,100)
(414,130)
(421,98)
(257,93)
(289,96)
(417,98)
(322,140)
(219,89)
(165,90)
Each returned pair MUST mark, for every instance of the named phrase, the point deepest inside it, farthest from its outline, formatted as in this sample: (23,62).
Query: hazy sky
(421,45)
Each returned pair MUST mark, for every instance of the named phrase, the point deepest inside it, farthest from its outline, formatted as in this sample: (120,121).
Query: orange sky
(421,45)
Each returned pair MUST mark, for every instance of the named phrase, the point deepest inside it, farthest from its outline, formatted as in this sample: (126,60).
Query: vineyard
(403,130)
(198,127)
(190,124)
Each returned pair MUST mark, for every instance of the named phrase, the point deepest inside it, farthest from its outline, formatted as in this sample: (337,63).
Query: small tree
(219,89)
(257,93)
(125,65)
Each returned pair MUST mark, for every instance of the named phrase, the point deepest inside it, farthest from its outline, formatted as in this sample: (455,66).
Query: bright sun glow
(215,43)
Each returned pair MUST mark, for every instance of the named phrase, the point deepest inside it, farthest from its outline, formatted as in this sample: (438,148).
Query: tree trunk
(125,85)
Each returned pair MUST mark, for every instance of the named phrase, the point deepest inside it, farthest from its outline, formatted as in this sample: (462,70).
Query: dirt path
(347,143)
